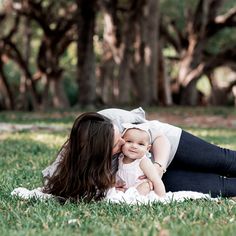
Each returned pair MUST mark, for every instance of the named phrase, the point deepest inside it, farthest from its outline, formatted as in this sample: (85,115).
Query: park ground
(29,142)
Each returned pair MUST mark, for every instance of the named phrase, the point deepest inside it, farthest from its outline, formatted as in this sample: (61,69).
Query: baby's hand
(159,169)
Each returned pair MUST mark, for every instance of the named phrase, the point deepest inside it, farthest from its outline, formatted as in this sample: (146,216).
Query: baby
(134,161)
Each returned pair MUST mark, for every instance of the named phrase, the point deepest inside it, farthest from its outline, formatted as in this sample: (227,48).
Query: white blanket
(131,196)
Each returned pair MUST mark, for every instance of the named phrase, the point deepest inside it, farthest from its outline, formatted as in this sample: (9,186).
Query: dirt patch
(206,121)
(6,127)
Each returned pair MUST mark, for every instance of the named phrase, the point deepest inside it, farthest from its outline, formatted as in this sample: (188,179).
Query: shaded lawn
(24,154)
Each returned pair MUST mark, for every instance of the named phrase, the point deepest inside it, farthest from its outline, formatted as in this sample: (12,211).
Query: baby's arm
(149,170)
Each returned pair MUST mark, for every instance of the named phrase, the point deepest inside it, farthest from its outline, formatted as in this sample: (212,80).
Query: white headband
(142,126)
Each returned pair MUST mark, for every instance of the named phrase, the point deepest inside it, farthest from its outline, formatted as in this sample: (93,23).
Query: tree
(9,49)
(112,49)
(192,45)
(130,46)
(58,24)
(86,58)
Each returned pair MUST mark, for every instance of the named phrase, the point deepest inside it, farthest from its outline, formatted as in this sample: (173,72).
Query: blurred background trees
(59,54)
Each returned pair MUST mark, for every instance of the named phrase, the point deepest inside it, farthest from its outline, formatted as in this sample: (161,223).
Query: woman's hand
(145,187)
(120,185)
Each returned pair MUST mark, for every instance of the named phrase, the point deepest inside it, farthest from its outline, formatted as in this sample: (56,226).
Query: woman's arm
(161,152)
(149,170)
(50,170)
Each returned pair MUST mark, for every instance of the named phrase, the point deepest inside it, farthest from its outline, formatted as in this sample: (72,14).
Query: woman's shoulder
(121,112)
(119,116)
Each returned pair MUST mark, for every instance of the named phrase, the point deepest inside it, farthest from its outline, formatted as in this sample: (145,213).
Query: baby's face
(136,143)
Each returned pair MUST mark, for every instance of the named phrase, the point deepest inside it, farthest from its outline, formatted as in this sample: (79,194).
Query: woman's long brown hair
(85,171)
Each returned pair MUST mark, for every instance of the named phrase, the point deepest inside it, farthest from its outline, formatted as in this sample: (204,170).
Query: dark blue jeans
(202,167)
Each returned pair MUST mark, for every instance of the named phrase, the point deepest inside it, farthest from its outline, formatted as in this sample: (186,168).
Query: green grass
(24,154)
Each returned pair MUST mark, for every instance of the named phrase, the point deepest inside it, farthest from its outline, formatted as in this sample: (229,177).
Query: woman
(84,167)
(193,164)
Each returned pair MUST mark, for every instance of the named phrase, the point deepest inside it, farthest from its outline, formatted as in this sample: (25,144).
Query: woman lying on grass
(87,163)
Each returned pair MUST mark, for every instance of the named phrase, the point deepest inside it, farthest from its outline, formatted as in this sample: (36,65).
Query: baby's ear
(149,147)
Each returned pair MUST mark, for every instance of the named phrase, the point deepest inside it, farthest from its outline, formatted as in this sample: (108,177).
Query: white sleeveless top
(130,172)
(119,116)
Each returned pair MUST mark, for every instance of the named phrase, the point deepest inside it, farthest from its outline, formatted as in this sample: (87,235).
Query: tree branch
(13,53)
(205,13)
(178,42)
(228,19)
(165,33)
(35,11)
(222,21)
(225,57)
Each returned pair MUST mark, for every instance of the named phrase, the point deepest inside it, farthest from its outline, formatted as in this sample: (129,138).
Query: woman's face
(118,141)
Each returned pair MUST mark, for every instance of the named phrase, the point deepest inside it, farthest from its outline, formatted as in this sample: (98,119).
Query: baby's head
(137,140)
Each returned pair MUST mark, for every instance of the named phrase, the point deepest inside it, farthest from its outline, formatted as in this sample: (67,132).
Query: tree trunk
(107,81)
(46,94)
(189,94)
(110,55)
(164,89)
(124,75)
(59,99)
(85,52)
(54,94)
(14,53)
(145,27)
(24,96)
(4,99)
(191,68)
(8,100)
(48,62)
(142,55)
(152,48)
